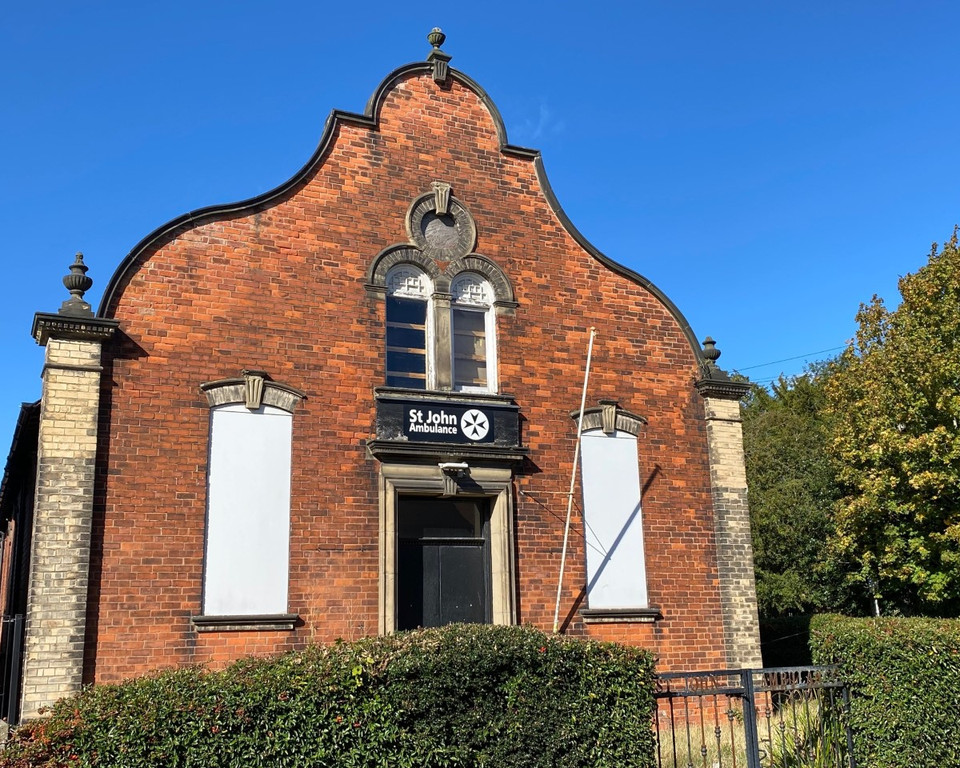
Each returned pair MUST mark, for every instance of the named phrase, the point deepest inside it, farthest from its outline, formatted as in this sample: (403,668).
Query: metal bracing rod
(573,481)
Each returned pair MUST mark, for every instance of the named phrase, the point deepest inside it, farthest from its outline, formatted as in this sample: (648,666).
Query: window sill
(273,621)
(406,393)
(620,615)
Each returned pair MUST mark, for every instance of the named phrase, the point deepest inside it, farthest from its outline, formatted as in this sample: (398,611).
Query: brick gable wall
(282,290)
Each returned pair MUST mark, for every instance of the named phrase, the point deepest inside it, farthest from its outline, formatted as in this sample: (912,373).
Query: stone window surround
(253,389)
(387,259)
(494,483)
(442,235)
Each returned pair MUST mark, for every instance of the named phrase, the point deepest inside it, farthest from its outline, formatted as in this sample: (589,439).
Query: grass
(795,732)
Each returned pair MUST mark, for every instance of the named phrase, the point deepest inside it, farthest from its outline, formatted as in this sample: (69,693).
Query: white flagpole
(573,482)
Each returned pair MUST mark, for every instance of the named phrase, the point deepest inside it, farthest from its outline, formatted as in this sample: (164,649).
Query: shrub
(462,695)
(905,679)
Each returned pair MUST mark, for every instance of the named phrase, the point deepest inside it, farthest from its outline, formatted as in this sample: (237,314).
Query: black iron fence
(11,664)
(788,717)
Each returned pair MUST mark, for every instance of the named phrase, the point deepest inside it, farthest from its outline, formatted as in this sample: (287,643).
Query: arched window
(409,328)
(472,326)
(440,323)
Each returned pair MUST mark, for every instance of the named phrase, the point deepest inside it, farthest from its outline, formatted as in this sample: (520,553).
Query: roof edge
(615,266)
(200,215)
(370,118)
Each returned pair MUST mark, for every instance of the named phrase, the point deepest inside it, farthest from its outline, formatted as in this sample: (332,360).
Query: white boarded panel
(248,512)
(616,575)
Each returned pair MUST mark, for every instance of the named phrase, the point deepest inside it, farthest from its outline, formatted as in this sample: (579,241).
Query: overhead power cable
(788,359)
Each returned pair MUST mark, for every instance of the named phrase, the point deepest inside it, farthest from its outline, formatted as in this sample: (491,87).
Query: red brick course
(282,290)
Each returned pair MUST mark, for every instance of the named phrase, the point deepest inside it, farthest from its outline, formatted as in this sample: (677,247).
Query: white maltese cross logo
(474,424)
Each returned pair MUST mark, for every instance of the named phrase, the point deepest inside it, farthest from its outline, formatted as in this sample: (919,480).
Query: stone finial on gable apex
(436,57)
(78,284)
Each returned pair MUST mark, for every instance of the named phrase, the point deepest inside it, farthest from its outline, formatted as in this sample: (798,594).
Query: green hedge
(905,678)
(463,695)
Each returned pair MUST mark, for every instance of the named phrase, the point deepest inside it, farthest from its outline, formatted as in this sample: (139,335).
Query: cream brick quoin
(728,480)
(63,510)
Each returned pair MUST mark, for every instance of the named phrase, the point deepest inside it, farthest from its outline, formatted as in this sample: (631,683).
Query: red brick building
(344,407)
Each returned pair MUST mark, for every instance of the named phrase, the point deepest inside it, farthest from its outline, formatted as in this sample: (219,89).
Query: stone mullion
(442,342)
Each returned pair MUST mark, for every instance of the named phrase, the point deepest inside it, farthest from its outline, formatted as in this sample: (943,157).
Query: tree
(792,493)
(894,403)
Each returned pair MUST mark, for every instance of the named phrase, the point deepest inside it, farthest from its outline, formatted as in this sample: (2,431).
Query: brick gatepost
(66,455)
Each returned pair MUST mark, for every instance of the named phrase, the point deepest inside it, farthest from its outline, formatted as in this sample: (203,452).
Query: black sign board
(448,423)
(467,421)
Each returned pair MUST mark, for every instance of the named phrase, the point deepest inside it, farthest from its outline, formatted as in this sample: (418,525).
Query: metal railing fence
(786,717)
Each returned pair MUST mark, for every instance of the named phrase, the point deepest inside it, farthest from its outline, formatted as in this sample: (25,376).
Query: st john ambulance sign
(448,424)
(463,419)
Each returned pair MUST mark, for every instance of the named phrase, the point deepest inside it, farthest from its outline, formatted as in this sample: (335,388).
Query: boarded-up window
(616,574)
(248,512)
(406,343)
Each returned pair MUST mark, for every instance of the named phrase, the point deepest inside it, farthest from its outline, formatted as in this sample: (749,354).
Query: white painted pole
(573,482)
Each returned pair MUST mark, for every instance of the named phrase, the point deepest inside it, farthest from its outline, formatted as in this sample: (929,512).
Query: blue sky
(768,165)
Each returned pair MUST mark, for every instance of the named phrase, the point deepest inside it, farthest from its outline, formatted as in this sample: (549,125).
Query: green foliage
(462,695)
(793,489)
(905,676)
(813,735)
(895,405)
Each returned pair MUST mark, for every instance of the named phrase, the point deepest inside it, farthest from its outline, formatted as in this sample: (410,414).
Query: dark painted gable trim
(370,119)
(609,263)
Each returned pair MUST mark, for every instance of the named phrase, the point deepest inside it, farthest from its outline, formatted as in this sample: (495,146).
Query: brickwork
(734,545)
(281,289)
(57,599)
